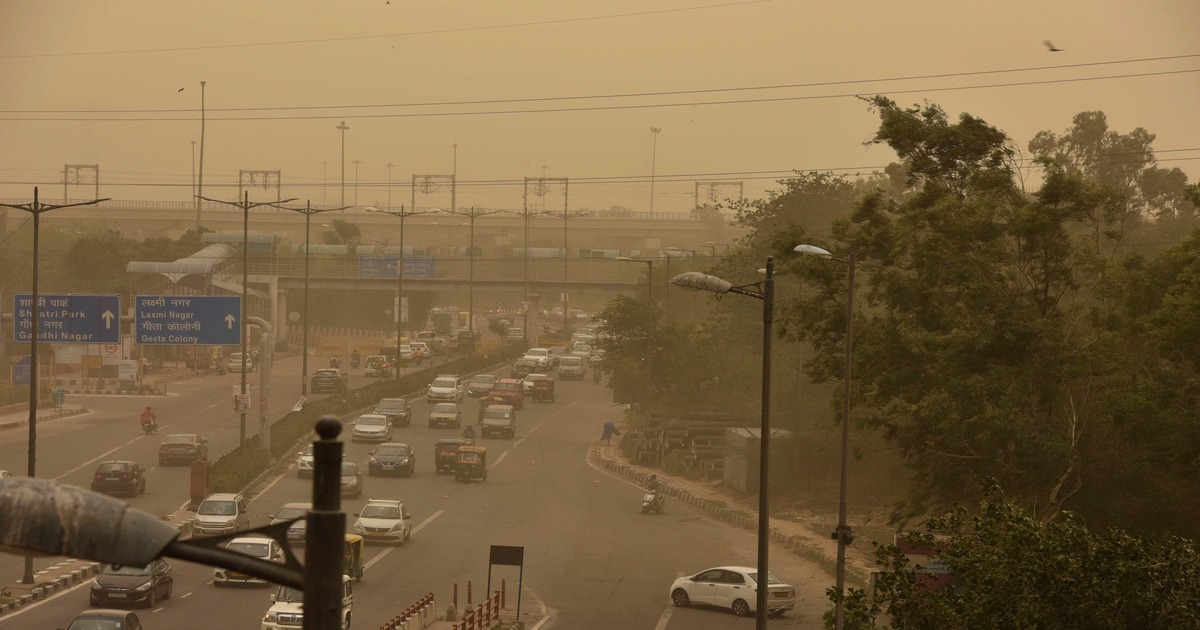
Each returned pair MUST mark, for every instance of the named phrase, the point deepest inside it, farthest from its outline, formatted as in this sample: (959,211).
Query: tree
(342,233)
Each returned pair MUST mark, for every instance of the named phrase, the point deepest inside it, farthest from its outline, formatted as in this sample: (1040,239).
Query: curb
(54,416)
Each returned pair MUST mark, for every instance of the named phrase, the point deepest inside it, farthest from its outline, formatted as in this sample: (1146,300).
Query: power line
(617,107)
(325,40)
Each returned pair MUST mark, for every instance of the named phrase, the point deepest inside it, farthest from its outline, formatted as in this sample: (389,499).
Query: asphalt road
(591,559)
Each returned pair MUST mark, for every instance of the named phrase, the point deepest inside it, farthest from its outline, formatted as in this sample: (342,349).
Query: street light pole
(566,255)
(472,214)
(389,167)
(307,211)
(245,205)
(200,184)
(356,163)
(36,209)
(401,214)
(343,127)
(844,534)
(705,282)
(653,165)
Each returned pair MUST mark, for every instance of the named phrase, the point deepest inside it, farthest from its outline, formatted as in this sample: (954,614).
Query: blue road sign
(187,320)
(21,371)
(66,317)
(385,266)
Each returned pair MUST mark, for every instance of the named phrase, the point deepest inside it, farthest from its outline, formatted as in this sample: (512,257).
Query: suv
(514,335)
(446,387)
(221,513)
(328,379)
(511,391)
(235,363)
(119,476)
(396,410)
(287,608)
(540,356)
(182,447)
(499,420)
(384,520)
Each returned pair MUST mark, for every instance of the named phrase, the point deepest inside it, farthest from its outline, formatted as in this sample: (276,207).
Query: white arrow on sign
(229,319)
(107,316)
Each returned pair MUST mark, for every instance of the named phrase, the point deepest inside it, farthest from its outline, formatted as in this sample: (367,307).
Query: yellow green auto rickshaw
(352,558)
(472,463)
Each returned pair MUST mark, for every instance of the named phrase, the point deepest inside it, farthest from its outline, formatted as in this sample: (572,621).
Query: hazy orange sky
(743,91)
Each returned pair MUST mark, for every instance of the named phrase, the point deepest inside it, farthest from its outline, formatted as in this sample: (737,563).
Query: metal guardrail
(572,270)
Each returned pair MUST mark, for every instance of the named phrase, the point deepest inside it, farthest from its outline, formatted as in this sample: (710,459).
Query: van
(287,607)
(572,367)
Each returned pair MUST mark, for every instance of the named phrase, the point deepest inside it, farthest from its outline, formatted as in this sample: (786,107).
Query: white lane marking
(188,594)
(497,461)
(415,530)
(666,617)
(518,442)
(98,458)
(158,610)
(29,607)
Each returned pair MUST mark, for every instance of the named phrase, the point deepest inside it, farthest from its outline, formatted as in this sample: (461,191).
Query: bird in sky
(1050,45)
(179,90)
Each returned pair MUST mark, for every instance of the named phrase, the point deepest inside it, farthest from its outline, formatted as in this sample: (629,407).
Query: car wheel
(167,593)
(152,600)
(741,608)
(680,598)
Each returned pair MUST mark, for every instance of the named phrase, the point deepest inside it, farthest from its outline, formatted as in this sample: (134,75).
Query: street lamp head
(371,209)
(812,250)
(701,282)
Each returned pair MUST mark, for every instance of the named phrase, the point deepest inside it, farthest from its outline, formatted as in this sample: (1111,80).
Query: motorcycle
(150,426)
(653,501)
(354,361)
(335,363)
(596,376)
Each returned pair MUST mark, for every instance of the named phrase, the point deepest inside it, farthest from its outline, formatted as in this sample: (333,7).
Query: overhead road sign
(187,320)
(385,266)
(68,317)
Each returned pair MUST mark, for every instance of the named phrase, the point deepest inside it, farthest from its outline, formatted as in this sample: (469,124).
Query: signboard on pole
(187,320)
(68,317)
(127,370)
(21,371)
(385,266)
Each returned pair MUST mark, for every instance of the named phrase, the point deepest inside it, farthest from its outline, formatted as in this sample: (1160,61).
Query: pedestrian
(610,431)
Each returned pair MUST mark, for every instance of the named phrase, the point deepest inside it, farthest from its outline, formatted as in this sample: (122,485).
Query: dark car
(523,367)
(391,458)
(117,585)
(352,480)
(119,477)
(396,410)
(328,380)
(465,339)
(105,619)
(298,529)
(480,385)
(182,447)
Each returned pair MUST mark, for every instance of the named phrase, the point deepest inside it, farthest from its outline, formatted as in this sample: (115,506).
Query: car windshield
(308,452)
(349,470)
(380,511)
(256,549)
(112,467)
(392,450)
(483,379)
(289,594)
(537,352)
(116,569)
(570,361)
(217,508)
(443,382)
(497,413)
(99,623)
(391,404)
(179,439)
(286,512)
(445,408)
(771,579)
(376,421)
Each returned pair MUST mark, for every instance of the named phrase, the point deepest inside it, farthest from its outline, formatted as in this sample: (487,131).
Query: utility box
(742,446)
(199,485)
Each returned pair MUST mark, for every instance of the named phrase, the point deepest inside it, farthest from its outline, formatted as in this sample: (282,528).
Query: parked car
(236,364)
(445,415)
(392,458)
(256,547)
(297,531)
(446,387)
(182,447)
(396,410)
(122,585)
(734,588)
(499,420)
(352,480)
(384,520)
(511,391)
(221,513)
(105,618)
(119,477)
(328,380)
(371,427)
(480,385)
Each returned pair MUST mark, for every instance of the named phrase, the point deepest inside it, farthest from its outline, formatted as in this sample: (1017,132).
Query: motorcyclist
(149,418)
(652,483)
(354,359)
(469,434)
(596,376)
(653,487)
(335,362)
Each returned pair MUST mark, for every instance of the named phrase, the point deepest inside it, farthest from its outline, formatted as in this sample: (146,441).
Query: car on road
(385,521)
(514,335)
(328,380)
(499,420)
(511,391)
(119,477)
(522,367)
(530,379)
(254,546)
(733,588)
(540,356)
(352,480)
(420,351)
(182,447)
(304,467)
(221,513)
(371,427)
(287,608)
(480,385)
(289,512)
(392,458)
(445,387)
(396,410)
(106,619)
(572,368)
(122,585)
(464,339)
(445,415)
(235,363)
(377,365)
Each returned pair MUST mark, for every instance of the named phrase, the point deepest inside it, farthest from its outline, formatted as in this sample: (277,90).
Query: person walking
(610,432)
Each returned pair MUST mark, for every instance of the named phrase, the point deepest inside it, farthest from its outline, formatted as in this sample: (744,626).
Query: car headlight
(403,460)
(144,587)
(271,617)
(96,586)
(374,461)
(358,527)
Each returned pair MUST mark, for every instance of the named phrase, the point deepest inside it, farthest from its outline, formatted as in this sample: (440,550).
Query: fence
(420,615)
(481,617)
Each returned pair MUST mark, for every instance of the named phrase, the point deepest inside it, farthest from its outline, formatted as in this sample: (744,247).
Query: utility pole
(389,167)
(194,174)
(343,127)
(356,163)
(200,181)
(653,164)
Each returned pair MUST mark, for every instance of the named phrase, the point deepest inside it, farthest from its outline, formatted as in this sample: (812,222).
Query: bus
(444,322)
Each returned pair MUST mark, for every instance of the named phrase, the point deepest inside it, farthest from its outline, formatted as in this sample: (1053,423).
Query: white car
(287,608)
(444,388)
(262,548)
(734,588)
(527,384)
(384,520)
(541,356)
(371,427)
(4,474)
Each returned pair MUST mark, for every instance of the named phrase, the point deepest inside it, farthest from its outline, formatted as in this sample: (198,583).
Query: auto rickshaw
(472,463)
(445,454)
(543,389)
(352,557)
